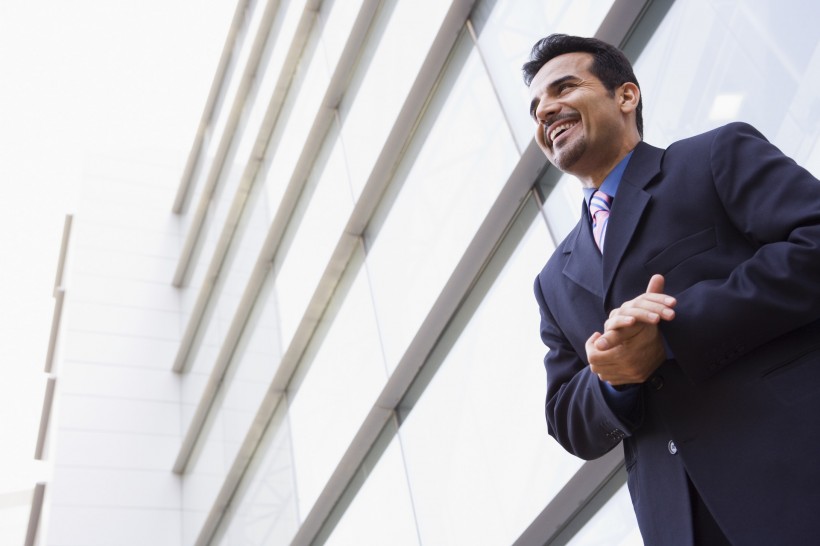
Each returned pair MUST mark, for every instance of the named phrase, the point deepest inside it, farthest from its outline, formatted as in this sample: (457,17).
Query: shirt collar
(610,184)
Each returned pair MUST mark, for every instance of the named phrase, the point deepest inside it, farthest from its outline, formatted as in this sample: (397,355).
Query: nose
(546,109)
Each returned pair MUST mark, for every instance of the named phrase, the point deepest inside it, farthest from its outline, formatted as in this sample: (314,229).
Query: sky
(78,79)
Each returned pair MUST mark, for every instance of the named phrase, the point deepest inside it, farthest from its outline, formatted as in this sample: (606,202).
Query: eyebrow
(551,86)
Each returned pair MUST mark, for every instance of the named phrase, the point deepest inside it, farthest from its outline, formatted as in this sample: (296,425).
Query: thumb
(656,284)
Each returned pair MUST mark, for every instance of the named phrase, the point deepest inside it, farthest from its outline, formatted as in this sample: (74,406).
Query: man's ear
(630,96)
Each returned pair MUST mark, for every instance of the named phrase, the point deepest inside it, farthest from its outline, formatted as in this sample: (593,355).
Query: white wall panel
(118,350)
(121,320)
(114,414)
(120,381)
(102,236)
(115,488)
(125,292)
(121,264)
(106,526)
(79,448)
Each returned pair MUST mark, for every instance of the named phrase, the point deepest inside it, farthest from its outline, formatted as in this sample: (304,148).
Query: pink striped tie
(599,210)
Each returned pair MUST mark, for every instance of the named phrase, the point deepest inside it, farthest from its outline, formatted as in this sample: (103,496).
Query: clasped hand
(631,347)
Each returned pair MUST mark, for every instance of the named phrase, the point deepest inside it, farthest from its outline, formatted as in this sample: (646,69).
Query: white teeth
(560,129)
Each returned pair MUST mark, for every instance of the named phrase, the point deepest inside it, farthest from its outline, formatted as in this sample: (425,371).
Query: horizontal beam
(218,87)
(227,142)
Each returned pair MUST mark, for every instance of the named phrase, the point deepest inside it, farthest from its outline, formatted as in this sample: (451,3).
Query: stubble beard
(569,154)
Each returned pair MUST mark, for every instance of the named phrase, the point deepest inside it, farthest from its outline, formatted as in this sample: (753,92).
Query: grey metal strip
(226,144)
(218,87)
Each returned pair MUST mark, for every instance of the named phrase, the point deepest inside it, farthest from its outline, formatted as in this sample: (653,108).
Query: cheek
(539,138)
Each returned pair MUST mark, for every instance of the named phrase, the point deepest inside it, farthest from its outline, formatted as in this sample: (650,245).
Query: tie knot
(599,211)
(599,202)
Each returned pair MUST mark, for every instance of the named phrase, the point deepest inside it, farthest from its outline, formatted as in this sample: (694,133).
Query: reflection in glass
(448,181)
(316,228)
(246,383)
(747,61)
(405,32)
(233,75)
(382,511)
(264,511)
(476,441)
(339,379)
(563,206)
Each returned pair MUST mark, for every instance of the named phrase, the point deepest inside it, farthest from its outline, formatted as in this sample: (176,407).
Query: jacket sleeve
(775,204)
(578,415)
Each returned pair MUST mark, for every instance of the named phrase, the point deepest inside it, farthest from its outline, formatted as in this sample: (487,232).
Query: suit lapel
(583,263)
(628,207)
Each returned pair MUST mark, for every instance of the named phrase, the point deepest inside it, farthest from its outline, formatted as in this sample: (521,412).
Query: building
(326,332)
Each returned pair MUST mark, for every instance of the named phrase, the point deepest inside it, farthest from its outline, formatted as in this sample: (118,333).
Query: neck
(594,176)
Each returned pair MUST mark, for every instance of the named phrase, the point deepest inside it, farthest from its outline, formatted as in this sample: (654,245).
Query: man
(693,336)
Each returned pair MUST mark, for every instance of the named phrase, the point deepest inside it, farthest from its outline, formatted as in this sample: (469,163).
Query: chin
(568,157)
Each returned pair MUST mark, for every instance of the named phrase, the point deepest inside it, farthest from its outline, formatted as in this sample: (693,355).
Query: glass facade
(362,281)
(367,368)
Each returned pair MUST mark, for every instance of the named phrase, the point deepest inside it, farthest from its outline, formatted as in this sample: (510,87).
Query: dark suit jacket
(734,226)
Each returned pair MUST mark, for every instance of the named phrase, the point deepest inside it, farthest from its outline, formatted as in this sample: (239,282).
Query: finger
(647,313)
(614,337)
(656,284)
(617,322)
(647,301)
(662,299)
(590,346)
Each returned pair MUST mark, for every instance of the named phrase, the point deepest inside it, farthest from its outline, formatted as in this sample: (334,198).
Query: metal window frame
(250,175)
(586,491)
(377,181)
(597,480)
(227,140)
(218,88)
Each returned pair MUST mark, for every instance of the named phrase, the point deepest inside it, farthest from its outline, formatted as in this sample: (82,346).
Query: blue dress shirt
(622,400)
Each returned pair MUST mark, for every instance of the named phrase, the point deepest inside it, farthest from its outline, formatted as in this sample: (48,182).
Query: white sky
(77,78)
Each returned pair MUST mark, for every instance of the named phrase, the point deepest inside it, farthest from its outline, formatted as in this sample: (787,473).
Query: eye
(564,87)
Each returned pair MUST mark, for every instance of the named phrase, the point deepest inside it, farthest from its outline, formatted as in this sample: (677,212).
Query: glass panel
(613,525)
(337,22)
(509,32)
(391,68)
(269,74)
(236,67)
(239,264)
(264,509)
(563,206)
(236,160)
(338,382)
(324,207)
(441,193)
(298,115)
(255,362)
(254,15)
(382,512)
(486,405)
(750,61)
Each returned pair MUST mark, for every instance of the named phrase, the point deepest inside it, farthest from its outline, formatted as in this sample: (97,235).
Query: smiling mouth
(558,130)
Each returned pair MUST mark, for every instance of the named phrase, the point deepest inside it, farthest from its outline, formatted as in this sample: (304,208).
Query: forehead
(569,64)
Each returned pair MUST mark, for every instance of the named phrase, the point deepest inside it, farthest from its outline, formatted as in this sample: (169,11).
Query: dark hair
(609,64)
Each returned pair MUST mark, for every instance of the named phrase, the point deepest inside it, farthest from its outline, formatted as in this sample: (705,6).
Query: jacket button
(673,449)
(656,382)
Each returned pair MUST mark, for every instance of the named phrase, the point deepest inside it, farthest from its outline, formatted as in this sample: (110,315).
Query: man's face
(580,124)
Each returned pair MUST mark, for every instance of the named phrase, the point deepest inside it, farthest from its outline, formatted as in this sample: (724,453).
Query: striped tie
(599,210)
